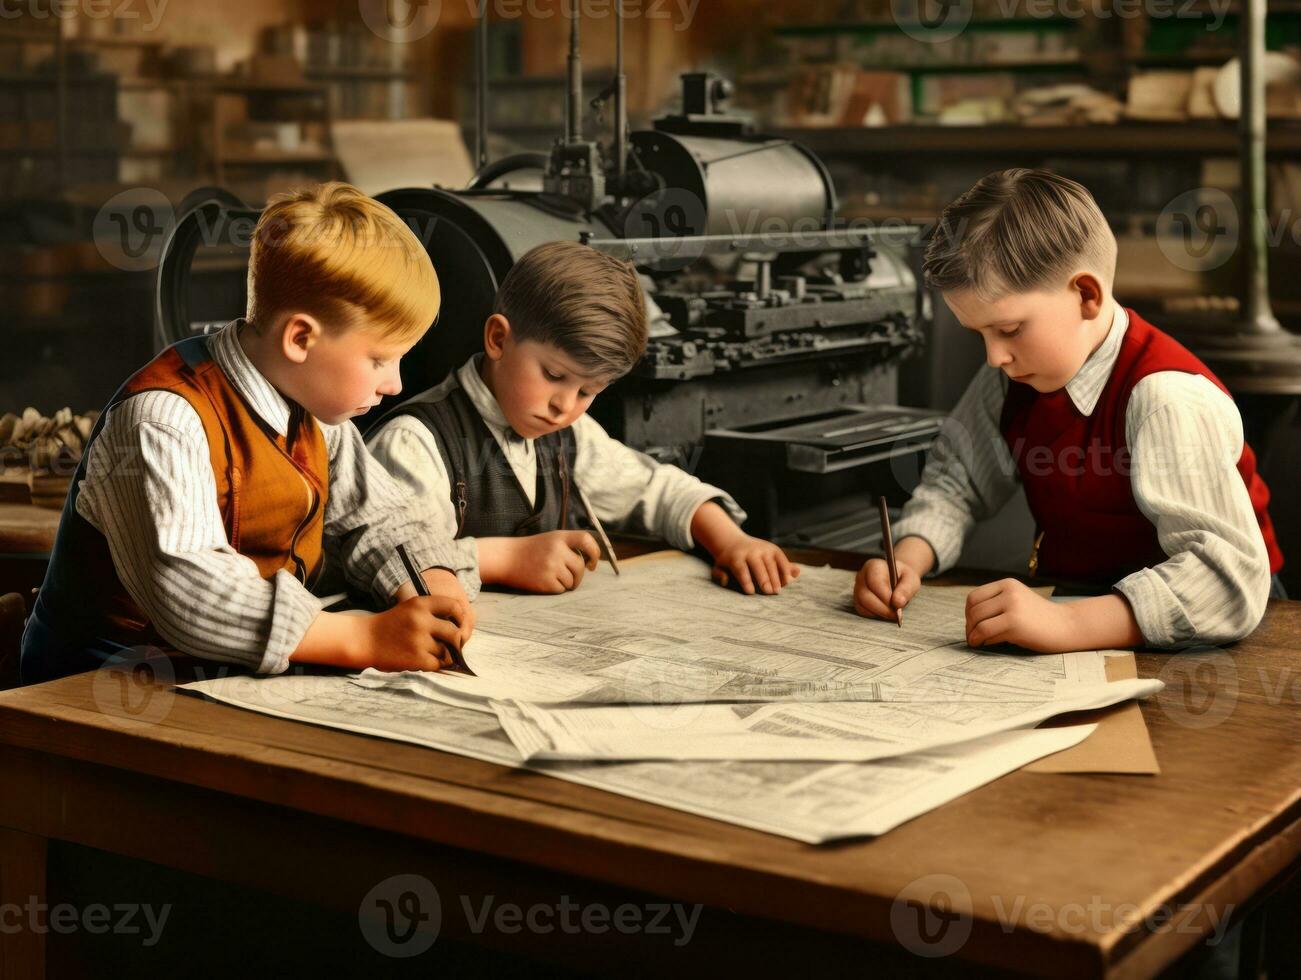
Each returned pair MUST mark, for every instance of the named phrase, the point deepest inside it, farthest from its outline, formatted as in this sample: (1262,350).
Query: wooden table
(1033,873)
(26,538)
(26,529)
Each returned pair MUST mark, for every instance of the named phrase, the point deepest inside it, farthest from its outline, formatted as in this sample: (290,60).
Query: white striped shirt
(1185,436)
(150,490)
(628,490)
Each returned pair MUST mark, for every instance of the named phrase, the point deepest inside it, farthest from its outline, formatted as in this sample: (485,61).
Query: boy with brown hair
(1130,450)
(502,446)
(223,472)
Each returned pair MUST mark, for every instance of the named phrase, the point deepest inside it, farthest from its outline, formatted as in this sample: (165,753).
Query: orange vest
(271,492)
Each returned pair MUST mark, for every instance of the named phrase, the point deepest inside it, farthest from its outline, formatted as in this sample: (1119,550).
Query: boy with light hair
(223,473)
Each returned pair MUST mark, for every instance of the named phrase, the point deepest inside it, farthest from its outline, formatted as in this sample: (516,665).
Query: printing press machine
(776,331)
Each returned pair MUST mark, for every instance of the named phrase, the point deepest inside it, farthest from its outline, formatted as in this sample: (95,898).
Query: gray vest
(489,501)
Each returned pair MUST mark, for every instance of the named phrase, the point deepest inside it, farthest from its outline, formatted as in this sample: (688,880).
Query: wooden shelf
(225,155)
(1184,60)
(892,26)
(31,36)
(1122,139)
(154,84)
(360,74)
(152,151)
(114,42)
(51,151)
(270,157)
(984,68)
(242,86)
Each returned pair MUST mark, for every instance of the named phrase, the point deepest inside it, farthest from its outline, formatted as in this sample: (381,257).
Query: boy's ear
(495,333)
(1092,294)
(299,334)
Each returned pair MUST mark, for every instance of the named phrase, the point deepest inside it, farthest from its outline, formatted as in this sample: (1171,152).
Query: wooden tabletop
(1046,874)
(25,529)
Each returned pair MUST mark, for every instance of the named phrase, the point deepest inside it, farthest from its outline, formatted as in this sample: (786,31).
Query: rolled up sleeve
(370,513)
(633,492)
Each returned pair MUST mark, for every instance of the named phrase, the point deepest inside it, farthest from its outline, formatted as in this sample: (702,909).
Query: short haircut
(1017,231)
(333,253)
(586,303)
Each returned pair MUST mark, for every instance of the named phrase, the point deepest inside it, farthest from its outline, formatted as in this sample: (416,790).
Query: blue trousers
(45,657)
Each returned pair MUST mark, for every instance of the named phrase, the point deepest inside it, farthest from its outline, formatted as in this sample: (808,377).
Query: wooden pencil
(887,541)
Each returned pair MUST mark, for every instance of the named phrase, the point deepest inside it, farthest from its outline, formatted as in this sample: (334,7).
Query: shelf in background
(31,36)
(262,158)
(359,74)
(238,85)
(983,68)
(894,26)
(1120,139)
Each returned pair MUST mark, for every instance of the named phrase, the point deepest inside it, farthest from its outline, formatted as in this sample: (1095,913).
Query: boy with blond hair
(223,472)
(503,448)
(1130,450)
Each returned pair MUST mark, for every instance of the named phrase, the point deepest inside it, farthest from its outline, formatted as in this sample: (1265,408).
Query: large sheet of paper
(662,633)
(808,801)
(823,731)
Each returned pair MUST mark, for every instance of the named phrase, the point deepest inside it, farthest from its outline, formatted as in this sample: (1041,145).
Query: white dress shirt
(627,489)
(1185,436)
(150,490)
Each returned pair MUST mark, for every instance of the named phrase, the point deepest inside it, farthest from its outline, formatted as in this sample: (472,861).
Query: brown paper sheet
(1119,744)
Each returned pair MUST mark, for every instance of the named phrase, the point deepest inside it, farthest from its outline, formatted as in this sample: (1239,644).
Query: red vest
(1076,468)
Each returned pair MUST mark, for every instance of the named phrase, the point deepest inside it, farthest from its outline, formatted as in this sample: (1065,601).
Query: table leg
(22,889)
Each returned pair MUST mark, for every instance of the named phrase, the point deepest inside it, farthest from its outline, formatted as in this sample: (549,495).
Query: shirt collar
(1086,387)
(484,401)
(251,384)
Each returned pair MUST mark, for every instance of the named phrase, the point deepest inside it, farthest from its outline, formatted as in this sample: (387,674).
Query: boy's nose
(392,384)
(561,403)
(997,356)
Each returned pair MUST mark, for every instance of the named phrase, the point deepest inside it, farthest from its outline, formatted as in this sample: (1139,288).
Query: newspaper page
(826,731)
(663,633)
(814,802)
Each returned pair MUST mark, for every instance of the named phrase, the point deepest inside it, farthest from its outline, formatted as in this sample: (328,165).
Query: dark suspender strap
(193,350)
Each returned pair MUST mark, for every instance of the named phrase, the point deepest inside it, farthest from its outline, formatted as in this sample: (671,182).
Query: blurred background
(143,101)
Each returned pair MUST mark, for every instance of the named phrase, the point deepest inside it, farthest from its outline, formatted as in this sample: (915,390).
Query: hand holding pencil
(885,585)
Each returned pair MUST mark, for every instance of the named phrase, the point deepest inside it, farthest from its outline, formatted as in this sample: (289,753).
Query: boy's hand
(416,634)
(752,562)
(872,594)
(553,562)
(441,582)
(1008,611)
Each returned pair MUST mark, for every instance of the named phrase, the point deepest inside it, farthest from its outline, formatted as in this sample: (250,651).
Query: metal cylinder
(1257,315)
(740,186)
(574,110)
